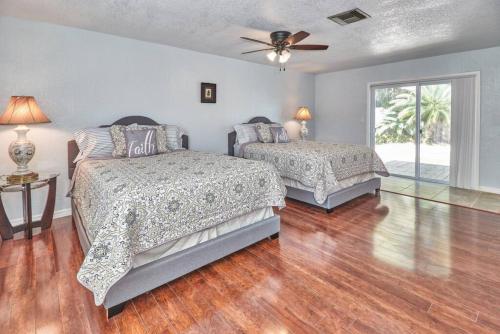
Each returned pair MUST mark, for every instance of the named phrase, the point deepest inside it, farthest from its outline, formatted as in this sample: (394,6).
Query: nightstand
(25,186)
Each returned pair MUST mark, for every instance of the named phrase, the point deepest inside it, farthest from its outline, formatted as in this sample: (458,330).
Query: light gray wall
(82,79)
(342,102)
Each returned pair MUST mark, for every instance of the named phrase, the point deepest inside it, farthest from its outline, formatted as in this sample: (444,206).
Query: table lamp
(303,115)
(22,110)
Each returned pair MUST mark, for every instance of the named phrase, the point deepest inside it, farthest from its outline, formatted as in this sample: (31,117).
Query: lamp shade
(303,114)
(23,110)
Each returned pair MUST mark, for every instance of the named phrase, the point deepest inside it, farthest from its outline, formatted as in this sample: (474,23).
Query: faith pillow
(141,143)
(118,136)
(119,141)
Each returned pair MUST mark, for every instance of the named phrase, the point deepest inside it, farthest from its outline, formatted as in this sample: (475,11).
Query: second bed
(322,174)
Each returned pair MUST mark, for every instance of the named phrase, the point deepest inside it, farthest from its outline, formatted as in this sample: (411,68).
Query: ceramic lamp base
(22,151)
(303,130)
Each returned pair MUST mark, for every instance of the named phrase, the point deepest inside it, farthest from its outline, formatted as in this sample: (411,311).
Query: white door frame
(370,128)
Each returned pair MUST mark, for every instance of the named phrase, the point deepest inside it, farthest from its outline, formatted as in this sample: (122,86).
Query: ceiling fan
(281,44)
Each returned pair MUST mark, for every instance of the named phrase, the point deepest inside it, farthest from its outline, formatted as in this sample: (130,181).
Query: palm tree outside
(395,125)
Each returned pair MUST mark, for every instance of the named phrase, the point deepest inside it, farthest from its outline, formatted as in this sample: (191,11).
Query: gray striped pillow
(94,143)
(174,137)
(245,133)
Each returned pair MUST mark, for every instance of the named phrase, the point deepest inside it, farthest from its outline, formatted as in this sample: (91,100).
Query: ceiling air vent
(349,17)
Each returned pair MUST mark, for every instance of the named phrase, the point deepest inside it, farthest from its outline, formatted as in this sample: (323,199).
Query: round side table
(25,186)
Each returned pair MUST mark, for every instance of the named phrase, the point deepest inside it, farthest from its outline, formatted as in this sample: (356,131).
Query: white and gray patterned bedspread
(316,165)
(133,205)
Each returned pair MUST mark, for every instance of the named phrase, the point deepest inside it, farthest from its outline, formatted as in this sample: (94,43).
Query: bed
(338,173)
(166,219)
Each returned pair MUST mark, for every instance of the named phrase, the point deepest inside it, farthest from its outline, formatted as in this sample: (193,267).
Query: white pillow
(174,137)
(94,143)
(245,133)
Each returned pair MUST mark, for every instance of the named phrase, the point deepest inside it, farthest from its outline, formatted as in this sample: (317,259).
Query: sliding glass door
(435,116)
(395,131)
(410,128)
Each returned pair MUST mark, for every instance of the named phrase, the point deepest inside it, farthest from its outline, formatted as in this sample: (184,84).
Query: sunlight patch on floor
(443,193)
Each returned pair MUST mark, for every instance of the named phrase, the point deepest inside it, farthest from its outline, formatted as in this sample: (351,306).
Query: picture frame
(208,92)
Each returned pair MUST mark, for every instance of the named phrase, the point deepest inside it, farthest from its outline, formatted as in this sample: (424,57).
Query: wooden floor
(393,264)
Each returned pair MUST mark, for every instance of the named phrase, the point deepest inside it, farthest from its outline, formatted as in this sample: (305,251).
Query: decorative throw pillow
(141,143)
(118,136)
(94,143)
(279,134)
(264,132)
(245,133)
(161,136)
(174,137)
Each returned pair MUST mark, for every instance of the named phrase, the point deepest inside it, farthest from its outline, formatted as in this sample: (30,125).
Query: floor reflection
(421,244)
(443,193)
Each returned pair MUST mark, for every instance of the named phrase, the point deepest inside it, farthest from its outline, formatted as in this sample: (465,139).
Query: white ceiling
(397,29)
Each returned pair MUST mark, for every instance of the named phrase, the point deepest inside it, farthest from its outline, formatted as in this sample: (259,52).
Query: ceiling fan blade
(257,51)
(295,38)
(256,41)
(308,47)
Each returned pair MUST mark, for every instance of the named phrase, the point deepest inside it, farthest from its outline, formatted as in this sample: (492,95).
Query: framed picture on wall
(208,92)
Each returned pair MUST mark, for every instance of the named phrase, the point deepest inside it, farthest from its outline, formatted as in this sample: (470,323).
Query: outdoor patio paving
(428,171)
(399,159)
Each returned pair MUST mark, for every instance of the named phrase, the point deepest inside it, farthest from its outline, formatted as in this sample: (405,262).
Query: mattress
(197,238)
(346,183)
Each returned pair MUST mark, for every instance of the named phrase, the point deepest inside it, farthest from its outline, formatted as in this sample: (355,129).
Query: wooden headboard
(231,136)
(73,148)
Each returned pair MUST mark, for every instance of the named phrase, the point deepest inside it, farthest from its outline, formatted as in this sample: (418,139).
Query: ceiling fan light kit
(272,55)
(281,44)
(284,56)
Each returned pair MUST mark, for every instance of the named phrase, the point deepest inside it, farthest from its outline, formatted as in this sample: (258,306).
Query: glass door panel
(395,126)
(435,114)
